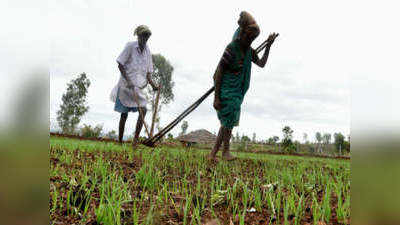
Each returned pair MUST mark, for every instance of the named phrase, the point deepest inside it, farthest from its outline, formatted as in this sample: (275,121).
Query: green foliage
(339,141)
(290,147)
(243,142)
(287,132)
(162,75)
(318,137)
(326,138)
(287,142)
(73,105)
(273,140)
(140,187)
(242,146)
(91,132)
(170,136)
(245,139)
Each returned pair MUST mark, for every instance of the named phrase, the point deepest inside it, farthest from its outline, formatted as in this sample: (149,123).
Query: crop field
(94,182)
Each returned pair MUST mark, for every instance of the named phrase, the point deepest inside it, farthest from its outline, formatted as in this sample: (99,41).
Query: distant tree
(318,137)
(273,140)
(327,138)
(111,134)
(73,105)
(245,138)
(184,127)
(287,132)
(287,142)
(162,76)
(254,138)
(339,141)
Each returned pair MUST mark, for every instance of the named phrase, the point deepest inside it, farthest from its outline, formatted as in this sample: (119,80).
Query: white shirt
(137,64)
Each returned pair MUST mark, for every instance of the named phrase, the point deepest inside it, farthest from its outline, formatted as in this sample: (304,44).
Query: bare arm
(261,62)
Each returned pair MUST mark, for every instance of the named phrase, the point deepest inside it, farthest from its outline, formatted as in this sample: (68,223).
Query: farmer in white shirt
(136,65)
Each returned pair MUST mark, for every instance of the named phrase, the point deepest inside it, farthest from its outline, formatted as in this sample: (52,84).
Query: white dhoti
(127,98)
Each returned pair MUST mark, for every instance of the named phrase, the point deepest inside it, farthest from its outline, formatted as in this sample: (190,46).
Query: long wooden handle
(262,46)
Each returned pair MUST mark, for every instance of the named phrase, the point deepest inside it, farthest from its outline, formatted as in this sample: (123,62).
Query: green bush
(286,143)
(290,148)
(242,146)
(170,137)
(89,132)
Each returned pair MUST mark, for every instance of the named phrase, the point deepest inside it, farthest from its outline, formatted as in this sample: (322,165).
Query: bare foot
(228,157)
(212,158)
(134,144)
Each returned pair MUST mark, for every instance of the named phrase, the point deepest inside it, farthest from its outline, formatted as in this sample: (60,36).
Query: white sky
(305,84)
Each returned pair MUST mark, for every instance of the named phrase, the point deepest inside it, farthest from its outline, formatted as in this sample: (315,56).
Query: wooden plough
(152,140)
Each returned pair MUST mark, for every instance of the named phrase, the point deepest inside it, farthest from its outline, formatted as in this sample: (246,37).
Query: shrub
(286,143)
(242,146)
(89,132)
(290,148)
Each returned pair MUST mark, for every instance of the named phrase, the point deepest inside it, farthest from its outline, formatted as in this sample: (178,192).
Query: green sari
(234,87)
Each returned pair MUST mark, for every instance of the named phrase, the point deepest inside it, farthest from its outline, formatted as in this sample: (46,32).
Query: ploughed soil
(128,166)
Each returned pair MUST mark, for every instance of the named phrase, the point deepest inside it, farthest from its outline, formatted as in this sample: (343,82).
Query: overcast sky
(304,85)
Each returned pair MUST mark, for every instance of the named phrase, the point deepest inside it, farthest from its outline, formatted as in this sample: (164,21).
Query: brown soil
(165,215)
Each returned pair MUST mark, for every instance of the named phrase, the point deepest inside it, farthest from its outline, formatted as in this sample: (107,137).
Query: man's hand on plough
(271,38)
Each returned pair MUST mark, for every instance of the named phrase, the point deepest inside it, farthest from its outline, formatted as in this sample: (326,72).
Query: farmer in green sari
(232,79)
